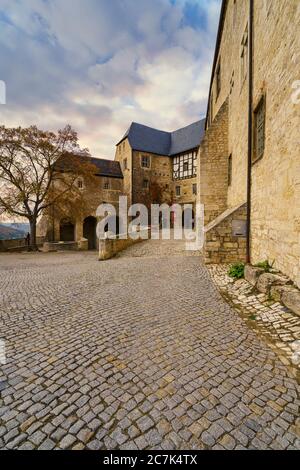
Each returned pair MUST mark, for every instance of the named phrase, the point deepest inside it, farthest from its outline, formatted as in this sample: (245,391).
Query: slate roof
(110,168)
(148,139)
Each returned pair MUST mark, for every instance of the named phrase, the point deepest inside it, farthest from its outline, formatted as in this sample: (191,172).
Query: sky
(101,64)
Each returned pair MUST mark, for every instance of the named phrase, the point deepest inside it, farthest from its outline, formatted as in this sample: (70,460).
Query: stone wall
(109,247)
(221,245)
(213,167)
(77,211)
(17,245)
(275,216)
(159,174)
(275,193)
(124,152)
(186,191)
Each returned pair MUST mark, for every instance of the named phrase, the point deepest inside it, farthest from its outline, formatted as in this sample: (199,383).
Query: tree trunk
(33,245)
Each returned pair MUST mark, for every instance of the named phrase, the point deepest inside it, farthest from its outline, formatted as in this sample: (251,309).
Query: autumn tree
(39,169)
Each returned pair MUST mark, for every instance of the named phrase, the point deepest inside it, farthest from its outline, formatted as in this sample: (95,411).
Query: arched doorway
(66,230)
(89,231)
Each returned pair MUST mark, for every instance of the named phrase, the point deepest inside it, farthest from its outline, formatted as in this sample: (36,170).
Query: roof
(109,168)
(104,167)
(148,139)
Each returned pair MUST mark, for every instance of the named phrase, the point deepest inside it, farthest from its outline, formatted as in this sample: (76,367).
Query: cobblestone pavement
(136,352)
(279,325)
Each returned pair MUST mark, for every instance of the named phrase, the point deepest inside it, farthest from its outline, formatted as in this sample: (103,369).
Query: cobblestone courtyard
(136,352)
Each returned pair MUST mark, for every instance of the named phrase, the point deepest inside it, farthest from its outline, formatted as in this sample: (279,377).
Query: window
(218,80)
(124,145)
(120,148)
(178,190)
(244,56)
(259,130)
(234,15)
(231,85)
(211,108)
(125,164)
(185,165)
(145,184)
(79,183)
(229,170)
(145,161)
(106,184)
(195,188)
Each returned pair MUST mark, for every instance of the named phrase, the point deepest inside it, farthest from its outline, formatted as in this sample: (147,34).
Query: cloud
(99,65)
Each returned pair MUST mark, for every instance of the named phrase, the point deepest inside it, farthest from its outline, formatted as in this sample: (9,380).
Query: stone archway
(89,231)
(66,230)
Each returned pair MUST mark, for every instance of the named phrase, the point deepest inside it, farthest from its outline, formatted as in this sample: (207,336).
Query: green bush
(236,270)
(265,265)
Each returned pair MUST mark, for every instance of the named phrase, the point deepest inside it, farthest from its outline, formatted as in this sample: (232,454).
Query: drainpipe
(250,106)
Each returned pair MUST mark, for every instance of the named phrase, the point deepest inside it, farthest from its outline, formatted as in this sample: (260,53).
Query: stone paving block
(184,372)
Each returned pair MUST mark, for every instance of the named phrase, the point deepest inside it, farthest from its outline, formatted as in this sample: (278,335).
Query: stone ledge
(266,280)
(276,285)
(290,297)
(277,323)
(252,274)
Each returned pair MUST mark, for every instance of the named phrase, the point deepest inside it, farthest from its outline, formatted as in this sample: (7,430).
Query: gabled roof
(109,168)
(148,139)
(187,138)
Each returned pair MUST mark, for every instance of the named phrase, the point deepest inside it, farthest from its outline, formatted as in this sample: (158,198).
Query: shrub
(236,270)
(265,265)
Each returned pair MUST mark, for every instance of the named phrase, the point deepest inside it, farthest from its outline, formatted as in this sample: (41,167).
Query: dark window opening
(145,161)
(218,80)
(259,130)
(229,170)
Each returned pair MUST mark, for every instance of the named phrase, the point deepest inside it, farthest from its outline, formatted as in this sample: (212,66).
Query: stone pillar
(78,230)
(105,249)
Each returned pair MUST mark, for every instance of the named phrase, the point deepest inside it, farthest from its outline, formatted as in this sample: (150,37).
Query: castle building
(73,225)
(160,166)
(242,162)
(150,166)
(249,161)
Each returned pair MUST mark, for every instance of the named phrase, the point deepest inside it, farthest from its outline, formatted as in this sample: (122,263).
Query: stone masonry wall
(124,152)
(92,197)
(160,173)
(275,208)
(221,246)
(275,216)
(213,167)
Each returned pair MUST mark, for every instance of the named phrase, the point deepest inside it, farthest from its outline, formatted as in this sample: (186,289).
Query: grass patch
(265,265)
(236,270)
